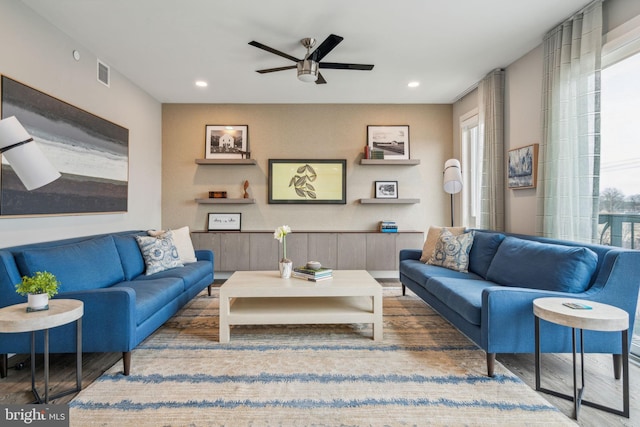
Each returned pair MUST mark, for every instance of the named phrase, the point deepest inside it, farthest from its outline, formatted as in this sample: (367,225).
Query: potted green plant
(38,289)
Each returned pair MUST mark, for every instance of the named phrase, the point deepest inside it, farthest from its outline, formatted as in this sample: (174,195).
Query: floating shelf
(226,201)
(226,161)
(408,162)
(389,201)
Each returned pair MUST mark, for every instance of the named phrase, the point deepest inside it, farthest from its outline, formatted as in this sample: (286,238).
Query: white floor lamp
(24,156)
(452,180)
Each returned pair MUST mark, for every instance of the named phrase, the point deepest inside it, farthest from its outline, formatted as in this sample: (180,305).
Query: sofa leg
(491,363)
(404,290)
(209,290)
(4,365)
(126,361)
(617,365)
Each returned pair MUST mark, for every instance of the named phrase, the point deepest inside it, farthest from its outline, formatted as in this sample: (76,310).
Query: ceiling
(164,46)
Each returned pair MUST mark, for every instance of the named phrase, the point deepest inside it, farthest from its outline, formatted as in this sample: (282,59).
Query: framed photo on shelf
(224,222)
(386,189)
(226,142)
(307,181)
(388,142)
(523,167)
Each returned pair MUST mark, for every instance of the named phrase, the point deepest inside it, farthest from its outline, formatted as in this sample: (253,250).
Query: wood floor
(601,385)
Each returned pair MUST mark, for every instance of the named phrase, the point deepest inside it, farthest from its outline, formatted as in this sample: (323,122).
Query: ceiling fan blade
(320,80)
(274,51)
(327,46)
(341,66)
(271,70)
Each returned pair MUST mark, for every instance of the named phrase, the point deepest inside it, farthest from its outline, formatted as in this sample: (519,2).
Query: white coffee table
(264,298)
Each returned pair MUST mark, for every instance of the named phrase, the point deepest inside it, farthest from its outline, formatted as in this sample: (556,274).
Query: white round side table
(598,317)
(15,318)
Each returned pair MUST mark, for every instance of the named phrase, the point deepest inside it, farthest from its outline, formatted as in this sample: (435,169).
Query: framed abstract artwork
(522,167)
(308,181)
(91,153)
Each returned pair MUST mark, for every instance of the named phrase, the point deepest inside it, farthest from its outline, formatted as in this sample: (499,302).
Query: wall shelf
(389,162)
(226,161)
(226,201)
(389,201)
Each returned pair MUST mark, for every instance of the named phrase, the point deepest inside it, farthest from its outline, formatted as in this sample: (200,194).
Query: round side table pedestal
(598,317)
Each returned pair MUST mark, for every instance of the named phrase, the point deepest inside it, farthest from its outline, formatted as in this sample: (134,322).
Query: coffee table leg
(225,332)
(377,317)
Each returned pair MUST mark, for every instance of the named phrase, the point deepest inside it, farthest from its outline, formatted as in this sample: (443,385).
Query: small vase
(37,302)
(285,269)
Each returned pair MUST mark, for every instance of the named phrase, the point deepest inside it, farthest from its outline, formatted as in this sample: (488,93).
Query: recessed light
(202,83)
(413,84)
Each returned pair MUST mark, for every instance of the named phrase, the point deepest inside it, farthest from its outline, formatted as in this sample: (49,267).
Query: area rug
(424,372)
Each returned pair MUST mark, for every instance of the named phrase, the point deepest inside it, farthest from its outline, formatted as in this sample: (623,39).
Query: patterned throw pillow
(452,251)
(159,253)
(433,234)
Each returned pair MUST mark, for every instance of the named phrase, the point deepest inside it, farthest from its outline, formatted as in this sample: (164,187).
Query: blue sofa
(492,303)
(122,305)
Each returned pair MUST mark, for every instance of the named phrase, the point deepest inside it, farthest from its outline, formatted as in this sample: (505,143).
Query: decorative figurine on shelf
(245,186)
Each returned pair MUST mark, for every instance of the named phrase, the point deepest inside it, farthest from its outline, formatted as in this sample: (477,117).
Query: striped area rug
(424,373)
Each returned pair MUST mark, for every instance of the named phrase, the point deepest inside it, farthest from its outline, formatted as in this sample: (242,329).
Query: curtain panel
(569,167)
(491,120)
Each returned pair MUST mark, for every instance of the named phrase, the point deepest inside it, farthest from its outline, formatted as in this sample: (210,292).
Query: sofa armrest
(410,254)
(204,255)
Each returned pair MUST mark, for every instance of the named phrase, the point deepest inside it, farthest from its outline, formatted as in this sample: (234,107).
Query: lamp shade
(452,176)
(24,156)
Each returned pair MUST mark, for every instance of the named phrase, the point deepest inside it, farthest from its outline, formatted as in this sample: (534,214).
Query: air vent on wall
(103,73)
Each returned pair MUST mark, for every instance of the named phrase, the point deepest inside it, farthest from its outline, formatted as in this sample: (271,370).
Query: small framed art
(226,141)
(224,221)
(386,189)
(388,142)
(522,167)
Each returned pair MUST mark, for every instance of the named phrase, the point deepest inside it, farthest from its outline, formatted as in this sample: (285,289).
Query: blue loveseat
(122,305)
(492,303)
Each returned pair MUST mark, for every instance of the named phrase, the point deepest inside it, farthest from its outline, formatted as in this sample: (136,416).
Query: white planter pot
(38,301)
(285,269)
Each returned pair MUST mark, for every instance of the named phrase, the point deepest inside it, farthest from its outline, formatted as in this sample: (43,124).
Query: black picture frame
(386,189)
(389,142)
(307,181)
(224,221)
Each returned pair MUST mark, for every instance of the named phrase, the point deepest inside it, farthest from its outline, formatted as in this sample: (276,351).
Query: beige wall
(307,131)
(39,55)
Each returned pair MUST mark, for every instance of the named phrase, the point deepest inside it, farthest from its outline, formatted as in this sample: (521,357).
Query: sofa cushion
(159,253)
(461,295)
(191,273)
(433,234)
(452,252)
(485,246)
(153,295)
(130,256)
(529,264)
(420,273)
(90,264)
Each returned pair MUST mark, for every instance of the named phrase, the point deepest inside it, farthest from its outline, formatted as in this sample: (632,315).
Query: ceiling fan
(309,67)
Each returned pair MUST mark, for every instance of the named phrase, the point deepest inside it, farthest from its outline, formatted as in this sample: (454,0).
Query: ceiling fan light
(307,71)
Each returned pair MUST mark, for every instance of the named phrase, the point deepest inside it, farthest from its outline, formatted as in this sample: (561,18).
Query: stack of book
(388,227)
(312,275)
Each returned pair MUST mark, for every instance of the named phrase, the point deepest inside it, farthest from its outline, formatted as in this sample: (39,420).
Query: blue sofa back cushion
(529,264)
(85,265)
(130,256)
(485,246)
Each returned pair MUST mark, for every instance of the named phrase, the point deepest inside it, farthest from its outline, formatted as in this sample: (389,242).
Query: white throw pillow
(182,240)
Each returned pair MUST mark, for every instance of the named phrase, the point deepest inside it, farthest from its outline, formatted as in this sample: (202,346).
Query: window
(619,213)
(472,169)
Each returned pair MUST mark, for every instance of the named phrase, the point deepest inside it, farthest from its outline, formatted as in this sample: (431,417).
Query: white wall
(37,54)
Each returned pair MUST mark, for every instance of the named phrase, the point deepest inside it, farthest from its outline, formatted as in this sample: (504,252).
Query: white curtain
(491,121)
(569,167)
